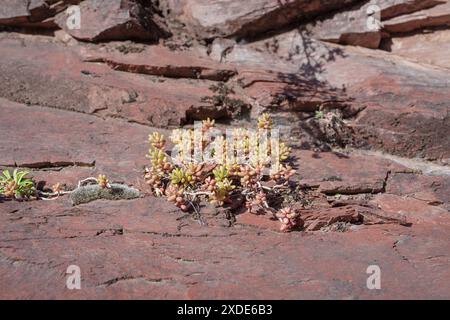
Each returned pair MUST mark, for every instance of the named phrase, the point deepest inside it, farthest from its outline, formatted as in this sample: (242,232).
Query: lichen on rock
(90,193)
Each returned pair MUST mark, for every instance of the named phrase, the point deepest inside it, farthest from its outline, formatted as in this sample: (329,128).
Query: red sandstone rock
(116,20)
(343,174)
(350,26)
(48,70)
(77,119)
(160,61)
(146,248)
(436,16)
(78,143)
(13,11)
(400,114)
(410,209)
(434,190)
(32,13)
(136,249)
(426,47)
(287,92)
(234,18)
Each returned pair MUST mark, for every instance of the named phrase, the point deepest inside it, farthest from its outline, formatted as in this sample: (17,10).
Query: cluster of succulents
(242,163)
(16,185)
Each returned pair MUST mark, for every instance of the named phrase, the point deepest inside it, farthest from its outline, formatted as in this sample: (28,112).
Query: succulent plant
(154,178)
(57,188)
(260,201)
(222,191)
(284,151)
(177,176)
(16,185)
(208,124)
(158,159)
(175,194)
(194,172)
(184,143)
(177,136)
(220,150)
(233,169)
(185,182)
(157,140)
(220,173)
(319,114)
(289,219)
(181,177)
(283,173)
(265,122)
(103,181)
(210,184)
(173,191)
(249,176)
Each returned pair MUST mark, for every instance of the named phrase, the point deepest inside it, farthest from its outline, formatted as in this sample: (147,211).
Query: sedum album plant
(207,166)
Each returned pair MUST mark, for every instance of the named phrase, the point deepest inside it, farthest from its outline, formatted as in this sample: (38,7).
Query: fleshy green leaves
(16,185)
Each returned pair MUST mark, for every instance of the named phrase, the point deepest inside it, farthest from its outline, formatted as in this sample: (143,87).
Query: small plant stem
(195,194)
(51,195)
(92,179)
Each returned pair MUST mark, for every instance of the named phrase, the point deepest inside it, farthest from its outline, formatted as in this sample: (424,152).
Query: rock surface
(160,61)
(400,105)
(422,47)
(116,20)
(436,16)
(233,18)
(38,14)
(48,70)
(162,253)
(370,131)
(359,24)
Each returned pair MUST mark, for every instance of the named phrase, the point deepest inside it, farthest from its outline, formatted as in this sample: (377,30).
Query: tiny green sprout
(285,151)
(225,185)
(220,173)
(319,114)
(103,181)
(16,185)
(222,192)
(177,176)
(158,158)
(265,121)
(180,177)
(157,140)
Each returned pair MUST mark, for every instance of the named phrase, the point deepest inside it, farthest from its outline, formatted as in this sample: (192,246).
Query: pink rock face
(98,90)
(160,61)
(234,18)
(115,20)
(436,16)
(397,112)
(37,14)
(423,47)
(13,11)
(352,26)
(73,109)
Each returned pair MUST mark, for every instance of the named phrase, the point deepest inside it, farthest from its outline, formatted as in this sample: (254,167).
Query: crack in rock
(48,165)
(130,277)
